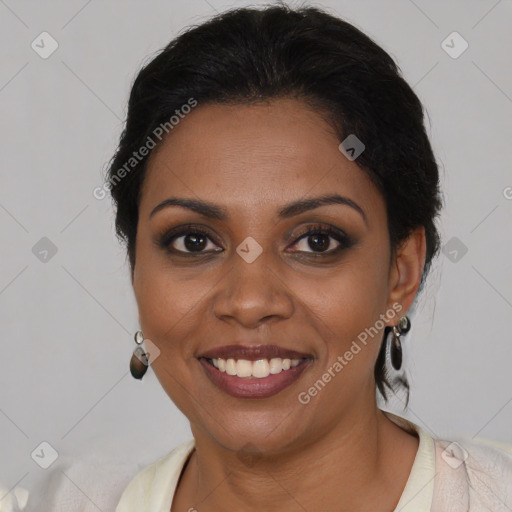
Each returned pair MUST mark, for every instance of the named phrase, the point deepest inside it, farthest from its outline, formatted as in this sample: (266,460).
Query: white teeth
(260,368)
(243,368)
(276,365)
(231,367)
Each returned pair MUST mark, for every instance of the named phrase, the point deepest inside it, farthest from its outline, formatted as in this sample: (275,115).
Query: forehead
(249,155)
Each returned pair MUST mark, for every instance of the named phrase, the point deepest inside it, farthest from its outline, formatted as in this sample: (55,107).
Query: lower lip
(252,387)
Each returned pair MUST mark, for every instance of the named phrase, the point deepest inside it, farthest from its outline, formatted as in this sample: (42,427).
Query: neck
(353,466)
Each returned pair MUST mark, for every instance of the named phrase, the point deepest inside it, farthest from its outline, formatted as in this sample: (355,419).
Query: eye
(188,240)
(314,239)
(319,240)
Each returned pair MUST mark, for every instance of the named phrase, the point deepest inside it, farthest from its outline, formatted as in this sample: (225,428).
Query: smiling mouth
(260,378)
(260,368)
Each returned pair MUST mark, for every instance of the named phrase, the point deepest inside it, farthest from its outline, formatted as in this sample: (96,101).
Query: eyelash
(164,241)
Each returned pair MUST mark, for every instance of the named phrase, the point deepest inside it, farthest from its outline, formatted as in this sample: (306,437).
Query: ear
(406,270)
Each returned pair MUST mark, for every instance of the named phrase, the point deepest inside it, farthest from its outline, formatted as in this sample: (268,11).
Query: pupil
(195,242)
(319,245)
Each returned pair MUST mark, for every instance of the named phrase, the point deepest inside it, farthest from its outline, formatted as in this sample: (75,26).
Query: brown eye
(322,240)
(191,242)
(317,242)
(187,241)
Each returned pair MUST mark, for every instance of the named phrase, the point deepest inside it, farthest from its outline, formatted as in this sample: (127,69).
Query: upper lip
(253,352)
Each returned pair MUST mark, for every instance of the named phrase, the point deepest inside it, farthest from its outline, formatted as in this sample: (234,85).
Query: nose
(252,294)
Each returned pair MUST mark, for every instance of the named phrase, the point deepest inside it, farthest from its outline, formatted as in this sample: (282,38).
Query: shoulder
(474,475)
(150,486)
(95,479)
(80,483)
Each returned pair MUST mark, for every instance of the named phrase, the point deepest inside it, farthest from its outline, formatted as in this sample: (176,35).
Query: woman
(277,194)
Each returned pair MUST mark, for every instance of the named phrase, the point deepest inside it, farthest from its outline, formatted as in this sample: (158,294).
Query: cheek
(352,309)
(170,312)
(169,309)
(168,303)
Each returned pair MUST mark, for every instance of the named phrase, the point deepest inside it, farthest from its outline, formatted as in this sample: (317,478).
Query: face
(254,271)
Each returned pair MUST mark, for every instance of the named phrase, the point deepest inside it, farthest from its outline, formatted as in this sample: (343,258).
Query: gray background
(67,323)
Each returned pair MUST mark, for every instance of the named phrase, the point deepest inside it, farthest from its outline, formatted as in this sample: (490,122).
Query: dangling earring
(139,361)
(395,351)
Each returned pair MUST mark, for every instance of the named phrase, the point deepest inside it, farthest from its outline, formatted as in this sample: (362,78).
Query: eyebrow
(214,211)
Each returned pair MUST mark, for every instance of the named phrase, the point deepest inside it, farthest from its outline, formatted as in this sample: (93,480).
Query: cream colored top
(445,476)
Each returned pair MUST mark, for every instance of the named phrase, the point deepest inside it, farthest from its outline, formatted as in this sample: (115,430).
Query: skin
(338,452)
